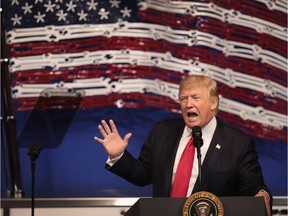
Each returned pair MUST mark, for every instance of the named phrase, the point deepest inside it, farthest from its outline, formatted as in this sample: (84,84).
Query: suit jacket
(232,170)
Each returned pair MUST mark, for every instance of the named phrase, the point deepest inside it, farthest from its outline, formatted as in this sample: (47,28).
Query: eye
(196,97)
(183,99)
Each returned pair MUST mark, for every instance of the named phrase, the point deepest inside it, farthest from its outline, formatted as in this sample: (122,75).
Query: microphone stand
(33,152)
(198,142)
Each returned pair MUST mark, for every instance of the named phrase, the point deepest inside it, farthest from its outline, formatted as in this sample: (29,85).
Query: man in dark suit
(230,164)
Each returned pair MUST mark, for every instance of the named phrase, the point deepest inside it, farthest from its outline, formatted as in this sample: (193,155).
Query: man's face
(197,107)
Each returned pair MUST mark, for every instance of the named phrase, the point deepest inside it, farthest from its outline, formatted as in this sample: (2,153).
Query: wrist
(115,157)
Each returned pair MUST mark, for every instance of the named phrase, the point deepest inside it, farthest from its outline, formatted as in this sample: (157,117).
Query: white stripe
(154,59)
(155,32)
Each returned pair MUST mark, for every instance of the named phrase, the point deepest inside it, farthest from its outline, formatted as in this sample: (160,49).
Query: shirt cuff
(111,162)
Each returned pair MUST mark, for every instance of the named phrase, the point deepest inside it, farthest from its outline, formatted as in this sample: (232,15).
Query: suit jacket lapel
(172,146)
(214,151)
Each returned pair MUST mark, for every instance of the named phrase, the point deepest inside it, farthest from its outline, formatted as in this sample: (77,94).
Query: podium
(233,206)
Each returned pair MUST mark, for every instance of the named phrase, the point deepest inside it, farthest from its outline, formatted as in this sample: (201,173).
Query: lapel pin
(218,146)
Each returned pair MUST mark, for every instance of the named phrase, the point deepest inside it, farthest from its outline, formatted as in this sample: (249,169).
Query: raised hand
(112,142)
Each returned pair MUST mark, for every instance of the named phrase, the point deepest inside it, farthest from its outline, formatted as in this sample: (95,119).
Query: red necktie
(183,172)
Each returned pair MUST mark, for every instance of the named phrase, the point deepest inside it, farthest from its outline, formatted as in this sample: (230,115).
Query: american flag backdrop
(133,54)
(130,54)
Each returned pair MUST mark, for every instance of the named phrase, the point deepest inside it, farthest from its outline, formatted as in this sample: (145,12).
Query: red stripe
(212,26)
(249,8)
(253,98)
(254,9)
(208,56)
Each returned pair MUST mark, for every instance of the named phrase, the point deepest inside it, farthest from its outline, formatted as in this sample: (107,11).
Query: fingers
(106,127)
(102,131)
(113,126)
(266,200)
(98,140)
(105,130)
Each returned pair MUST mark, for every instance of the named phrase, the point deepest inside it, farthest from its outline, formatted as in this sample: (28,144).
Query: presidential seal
(203,204)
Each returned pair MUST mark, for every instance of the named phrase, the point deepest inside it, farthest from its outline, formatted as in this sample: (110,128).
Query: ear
(214,103)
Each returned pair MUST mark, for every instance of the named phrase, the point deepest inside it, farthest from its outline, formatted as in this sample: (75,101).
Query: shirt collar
(208,129)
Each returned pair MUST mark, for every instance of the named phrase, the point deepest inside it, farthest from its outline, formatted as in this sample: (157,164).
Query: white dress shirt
(207,134)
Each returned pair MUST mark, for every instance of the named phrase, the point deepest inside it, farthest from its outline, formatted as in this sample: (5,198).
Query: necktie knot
(190,142)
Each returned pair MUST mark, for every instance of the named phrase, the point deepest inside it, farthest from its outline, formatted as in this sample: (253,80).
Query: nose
(190,103)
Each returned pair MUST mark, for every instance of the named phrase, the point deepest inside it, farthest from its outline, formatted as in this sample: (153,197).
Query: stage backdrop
(128,56)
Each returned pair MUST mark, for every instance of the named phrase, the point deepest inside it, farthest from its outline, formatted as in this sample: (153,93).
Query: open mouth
(192,114)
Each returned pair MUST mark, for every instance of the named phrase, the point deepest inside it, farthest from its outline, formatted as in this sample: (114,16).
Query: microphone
(197,136)
(198,143)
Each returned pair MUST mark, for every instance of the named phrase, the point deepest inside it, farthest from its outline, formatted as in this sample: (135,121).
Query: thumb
(127,137)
